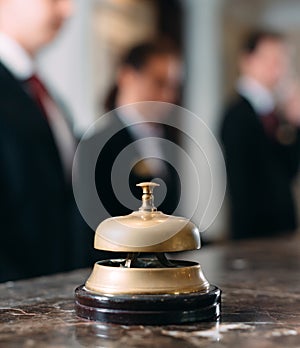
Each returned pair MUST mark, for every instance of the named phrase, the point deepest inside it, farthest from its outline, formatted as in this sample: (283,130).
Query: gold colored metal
(147,230)
(147,198)
(151,231)
(114,280)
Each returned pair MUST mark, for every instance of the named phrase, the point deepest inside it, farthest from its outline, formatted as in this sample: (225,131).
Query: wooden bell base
(149,309)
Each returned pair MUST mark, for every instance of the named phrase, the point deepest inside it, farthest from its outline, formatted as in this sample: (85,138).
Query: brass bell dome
(147,230)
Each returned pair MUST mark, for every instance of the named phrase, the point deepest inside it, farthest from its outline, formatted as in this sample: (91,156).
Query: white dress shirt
(22,66)
(261,99)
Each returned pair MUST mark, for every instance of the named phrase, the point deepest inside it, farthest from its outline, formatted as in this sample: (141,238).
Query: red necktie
(59,128)
(270,123)
(39,92)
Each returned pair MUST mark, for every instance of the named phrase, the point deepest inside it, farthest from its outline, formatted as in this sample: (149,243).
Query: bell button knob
(147,198)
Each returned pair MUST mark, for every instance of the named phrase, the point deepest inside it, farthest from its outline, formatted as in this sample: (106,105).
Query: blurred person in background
(261,140)
(150,71)
(37,210)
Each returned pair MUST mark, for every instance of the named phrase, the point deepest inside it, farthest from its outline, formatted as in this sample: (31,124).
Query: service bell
(146,287)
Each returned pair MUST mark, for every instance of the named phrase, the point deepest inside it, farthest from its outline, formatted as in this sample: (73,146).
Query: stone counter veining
(260,281)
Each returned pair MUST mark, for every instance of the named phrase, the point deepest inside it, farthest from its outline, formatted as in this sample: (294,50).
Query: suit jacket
(37,211)
(107,157)
(260,172)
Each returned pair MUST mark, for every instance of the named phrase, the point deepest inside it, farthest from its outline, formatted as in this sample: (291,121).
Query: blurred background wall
(81,64)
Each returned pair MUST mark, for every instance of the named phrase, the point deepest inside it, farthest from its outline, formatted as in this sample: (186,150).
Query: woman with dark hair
(151,60)
(148,72)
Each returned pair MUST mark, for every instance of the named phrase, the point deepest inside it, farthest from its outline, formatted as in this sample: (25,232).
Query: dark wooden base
(149,309)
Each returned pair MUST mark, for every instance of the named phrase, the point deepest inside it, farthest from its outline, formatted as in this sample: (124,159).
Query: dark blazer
(260,173)
(107,157)
(36,202)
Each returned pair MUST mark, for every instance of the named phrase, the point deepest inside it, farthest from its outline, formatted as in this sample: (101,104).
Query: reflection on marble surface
(261,305)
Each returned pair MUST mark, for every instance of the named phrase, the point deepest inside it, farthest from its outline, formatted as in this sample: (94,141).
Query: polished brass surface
(150,231)
(147,230)
(111,277)
(147,198)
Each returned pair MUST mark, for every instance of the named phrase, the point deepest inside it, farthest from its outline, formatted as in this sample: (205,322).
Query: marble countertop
(260,281)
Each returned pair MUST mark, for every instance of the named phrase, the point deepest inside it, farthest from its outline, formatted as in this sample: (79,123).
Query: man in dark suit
(261,143)
(37,210)
(149,72)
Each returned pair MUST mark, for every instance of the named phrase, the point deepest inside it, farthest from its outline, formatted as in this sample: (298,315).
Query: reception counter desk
(260,280)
